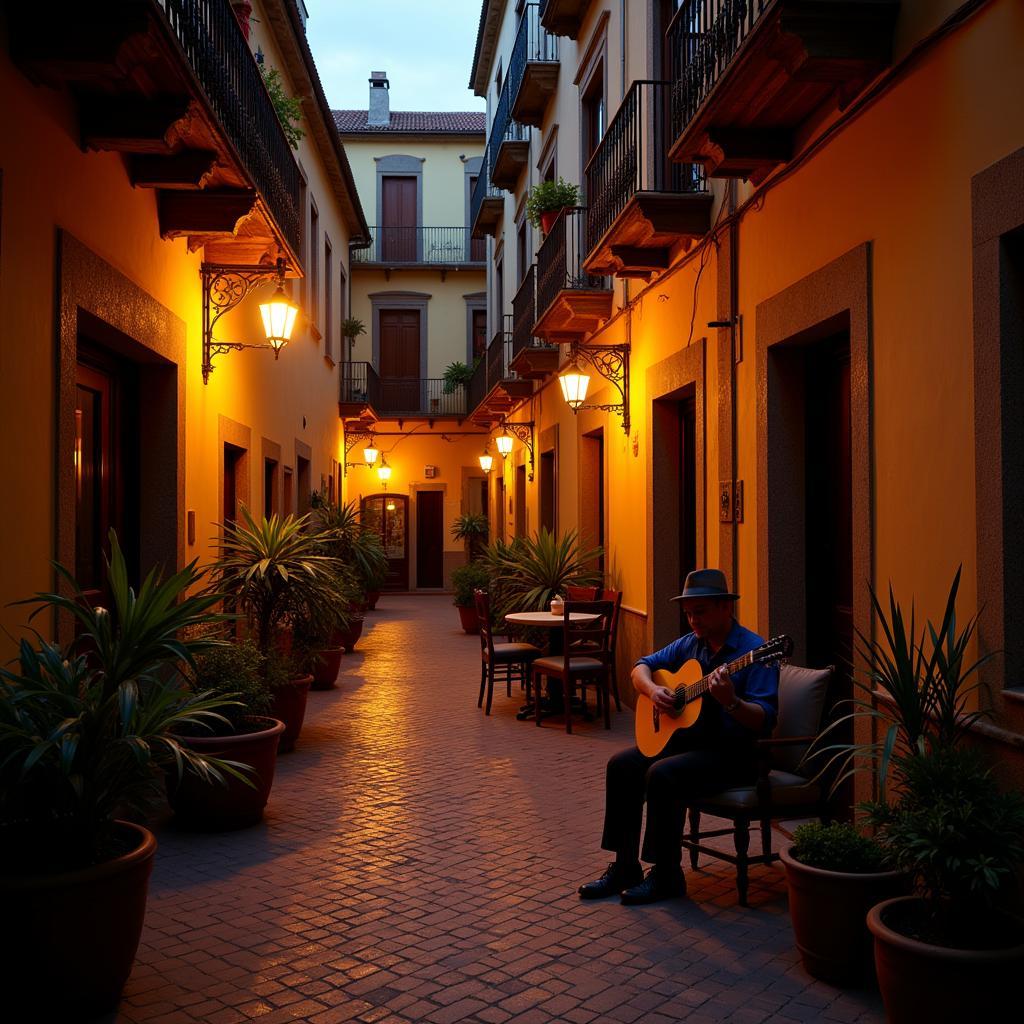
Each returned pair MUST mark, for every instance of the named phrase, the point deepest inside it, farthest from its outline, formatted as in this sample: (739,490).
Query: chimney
(380,105)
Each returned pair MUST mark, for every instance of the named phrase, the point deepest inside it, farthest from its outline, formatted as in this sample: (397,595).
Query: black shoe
(616,878)
(660,884)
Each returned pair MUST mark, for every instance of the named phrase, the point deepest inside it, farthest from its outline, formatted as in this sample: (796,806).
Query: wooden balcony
(570,301)
(642,204)
(174,88)
(532,69)
(563,17)
(748,76)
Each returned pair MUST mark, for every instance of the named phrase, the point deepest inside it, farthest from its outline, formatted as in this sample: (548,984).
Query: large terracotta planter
(69,940)
(469,618)
(348,638)
(828,908)
(922,982)
(215,806)
(289,707)
(327,667)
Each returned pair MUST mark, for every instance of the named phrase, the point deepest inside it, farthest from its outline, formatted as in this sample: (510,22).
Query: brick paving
(418,862)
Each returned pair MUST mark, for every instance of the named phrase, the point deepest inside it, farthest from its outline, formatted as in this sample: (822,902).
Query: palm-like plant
(353,544)
(528,572)
(86,732)
(472,527)
(277,569)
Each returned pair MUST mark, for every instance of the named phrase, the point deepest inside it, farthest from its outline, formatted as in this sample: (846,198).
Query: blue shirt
(758,684)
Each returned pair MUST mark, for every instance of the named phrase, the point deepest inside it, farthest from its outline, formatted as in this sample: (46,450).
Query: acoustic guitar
(654,727)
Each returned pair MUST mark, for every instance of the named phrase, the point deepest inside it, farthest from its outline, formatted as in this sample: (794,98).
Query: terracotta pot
(290,707)
(922,982)
(328,665)
(243,13)
(215,806)
(469,618)
(372,597)
(70,938)
(348,638)
(547,220)
(828,908)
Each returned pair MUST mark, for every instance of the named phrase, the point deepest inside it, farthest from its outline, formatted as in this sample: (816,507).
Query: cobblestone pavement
(419,862)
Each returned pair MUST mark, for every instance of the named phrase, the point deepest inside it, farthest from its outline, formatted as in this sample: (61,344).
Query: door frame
(409,532)
(400,300)
(399,165)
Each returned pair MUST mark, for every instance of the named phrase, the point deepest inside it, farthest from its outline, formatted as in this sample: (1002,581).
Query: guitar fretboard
(685,694)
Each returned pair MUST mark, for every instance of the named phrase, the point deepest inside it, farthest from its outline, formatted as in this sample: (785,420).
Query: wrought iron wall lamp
(521,432)
(612,363)
(224,287)
(370,452)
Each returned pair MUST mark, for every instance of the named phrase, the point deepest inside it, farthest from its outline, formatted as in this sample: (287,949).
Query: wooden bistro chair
(509,658)
(585,657)
(615,596)
(784,789)
(573,593)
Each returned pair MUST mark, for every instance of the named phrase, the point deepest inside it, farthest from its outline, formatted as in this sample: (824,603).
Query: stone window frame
(401,165)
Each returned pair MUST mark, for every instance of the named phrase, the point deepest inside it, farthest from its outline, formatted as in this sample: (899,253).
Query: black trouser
(695,763)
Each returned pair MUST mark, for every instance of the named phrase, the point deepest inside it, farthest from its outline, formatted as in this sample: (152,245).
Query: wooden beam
(188,169)
(634,258)
(131,124)
(199,213)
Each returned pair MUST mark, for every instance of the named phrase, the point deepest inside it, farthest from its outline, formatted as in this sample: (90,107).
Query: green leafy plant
(288,108)
(276,570)
(472,527)
(528,572)
(959,837)
(236,672)
(838,847)
(925,691)
(550,195)
(87,730)
(352,328)
(354,544)
(456,375)
(467,578)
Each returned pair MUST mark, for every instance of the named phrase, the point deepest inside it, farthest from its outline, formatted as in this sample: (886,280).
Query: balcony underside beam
(207,212)
(574,312)
(509,163)
(189,169)
(540,78)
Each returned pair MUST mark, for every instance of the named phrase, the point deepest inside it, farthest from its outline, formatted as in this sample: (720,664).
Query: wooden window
(522,254)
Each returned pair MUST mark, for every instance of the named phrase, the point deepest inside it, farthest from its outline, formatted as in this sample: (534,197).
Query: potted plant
(456,375)
(246,734)
(277,570)
(835,874)
(351,328)
(547,199)
(288,108)
(465,579)
(357,546)
(473,528)
(86,736)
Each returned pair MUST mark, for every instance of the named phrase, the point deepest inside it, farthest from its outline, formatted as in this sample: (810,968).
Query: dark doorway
(269,487)
(592,493)
(430,539)
(287,493)
(106,467)
(398,219)
(499,506)
(304,482)
(547,490)
(520,501)
(233,465)
(389,515)
(400,359)
(687,487)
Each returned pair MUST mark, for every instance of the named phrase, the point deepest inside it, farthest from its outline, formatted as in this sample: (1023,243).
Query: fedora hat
(705,583)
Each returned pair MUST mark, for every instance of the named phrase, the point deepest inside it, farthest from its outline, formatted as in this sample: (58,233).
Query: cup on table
(558,606)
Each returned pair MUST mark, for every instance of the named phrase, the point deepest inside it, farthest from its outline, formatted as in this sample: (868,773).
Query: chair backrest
(482,603)
(802,694)
(581,593)
(615,596)
(595,632)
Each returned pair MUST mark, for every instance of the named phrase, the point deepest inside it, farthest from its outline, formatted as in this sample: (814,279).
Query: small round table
(546,620)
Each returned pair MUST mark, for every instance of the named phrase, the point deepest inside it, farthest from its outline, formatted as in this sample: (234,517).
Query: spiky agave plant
(87,731)
(354,544)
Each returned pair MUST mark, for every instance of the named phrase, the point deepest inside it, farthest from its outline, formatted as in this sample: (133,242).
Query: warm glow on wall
(504,444)
(278,319)
(574,385)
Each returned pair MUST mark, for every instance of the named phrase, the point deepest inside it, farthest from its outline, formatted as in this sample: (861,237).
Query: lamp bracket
(352,438)
(612,363)
(225,285)
(523,433)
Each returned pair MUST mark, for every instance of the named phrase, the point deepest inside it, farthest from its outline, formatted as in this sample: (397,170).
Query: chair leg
(741,836)
(490,688)
(567,692)
(483,684)
(766,836)
(606,700)
(538,690)
(508,680)
(694,836)
(615,688)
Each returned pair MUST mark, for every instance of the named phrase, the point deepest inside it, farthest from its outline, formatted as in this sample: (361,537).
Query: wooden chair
(581,593)
(616,597)
(572,668)
(510,658)
(784,788)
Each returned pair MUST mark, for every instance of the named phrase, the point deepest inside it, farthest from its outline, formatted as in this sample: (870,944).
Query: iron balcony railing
(524,314)
(503,128)
(213,44)
(422,246)
(499,353)
(704,37)
(533,43)
(560,259)
(407,396)
(477,390)
(633,157)
(483,189)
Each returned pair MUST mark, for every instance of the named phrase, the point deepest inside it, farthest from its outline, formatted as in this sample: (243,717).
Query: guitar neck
(699,688)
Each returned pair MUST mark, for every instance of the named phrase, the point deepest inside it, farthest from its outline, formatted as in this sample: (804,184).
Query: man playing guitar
(716,752)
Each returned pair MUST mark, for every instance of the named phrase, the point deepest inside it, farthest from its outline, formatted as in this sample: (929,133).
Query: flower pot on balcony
(923,982)
(71,937)
(548,218)
(828,910)
(469,618)
(327,667)
(243,14)
(290,707)
(215,806)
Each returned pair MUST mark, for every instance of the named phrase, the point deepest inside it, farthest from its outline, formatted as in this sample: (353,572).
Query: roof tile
(457,122)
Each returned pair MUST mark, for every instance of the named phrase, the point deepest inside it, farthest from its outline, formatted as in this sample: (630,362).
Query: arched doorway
(389,515)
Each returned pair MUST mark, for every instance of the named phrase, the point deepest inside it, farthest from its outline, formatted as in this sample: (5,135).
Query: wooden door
(389,515)
(400,360)
(398,214)
(430,539)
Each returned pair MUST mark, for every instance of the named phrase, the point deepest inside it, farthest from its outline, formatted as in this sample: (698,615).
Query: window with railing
(439,246)
(409,396)
(560,259)
(633,157)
